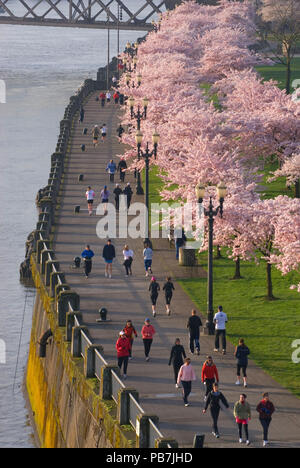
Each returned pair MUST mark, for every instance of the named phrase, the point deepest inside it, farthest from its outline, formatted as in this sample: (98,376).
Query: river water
(41,68)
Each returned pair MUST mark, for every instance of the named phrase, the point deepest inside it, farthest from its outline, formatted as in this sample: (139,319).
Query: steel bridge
(107,14)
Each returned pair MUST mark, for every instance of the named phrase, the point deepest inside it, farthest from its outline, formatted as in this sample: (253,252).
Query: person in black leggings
(168,288)
(176,357)
(213,401)
(154,288)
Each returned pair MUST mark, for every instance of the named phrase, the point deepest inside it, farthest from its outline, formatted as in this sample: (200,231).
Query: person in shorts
(108,254)
(90,195)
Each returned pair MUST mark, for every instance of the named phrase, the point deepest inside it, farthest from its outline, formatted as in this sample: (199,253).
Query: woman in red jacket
(209,375)
(123,346)
(130,332)
(148,332)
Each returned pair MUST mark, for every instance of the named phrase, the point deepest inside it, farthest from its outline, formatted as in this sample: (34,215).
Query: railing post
(64,298)
(76,341)
(48,270)
(143,430)
(54,280)
(106,381)
(40,246)
(89,360)
(123,411)
(166,443)
(44,256)
(71,323)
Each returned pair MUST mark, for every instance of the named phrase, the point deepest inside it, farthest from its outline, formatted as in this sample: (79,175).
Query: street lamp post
(211,213)
(147,155)
(138,116)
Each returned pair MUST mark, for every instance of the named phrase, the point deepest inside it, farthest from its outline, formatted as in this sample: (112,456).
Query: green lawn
(268,327)
(277,72)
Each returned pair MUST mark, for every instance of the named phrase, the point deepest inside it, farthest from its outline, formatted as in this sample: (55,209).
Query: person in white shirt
(108,96)
(90,195)
(128,257)
(220,320)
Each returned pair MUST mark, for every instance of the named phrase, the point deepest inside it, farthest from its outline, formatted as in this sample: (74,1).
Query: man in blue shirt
(87,255)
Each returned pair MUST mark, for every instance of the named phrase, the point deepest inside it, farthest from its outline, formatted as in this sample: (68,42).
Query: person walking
(128,258)
(122,166)
(130,332)
(180,240)
(105,197)
(116,97)
(95,133)
(194,323)
(265,409)
(81,114)
(87,255)
(220,320)
(242,414)
(213,400)
(108,254)
(186,376)
(154,288)
(123,350)
(148,331)
(128,192)
(148,254)
(117,192)
(168,287)
(120,131)
(209,375)
(103,132)
(102,98)
(111,169)
(108,96)
(176,358)
(241,353)
(90,195)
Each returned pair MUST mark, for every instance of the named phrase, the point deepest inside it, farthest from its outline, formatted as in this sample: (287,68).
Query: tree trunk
(297,189)
(269,282)
(219,255)
(237,274)
(288,71)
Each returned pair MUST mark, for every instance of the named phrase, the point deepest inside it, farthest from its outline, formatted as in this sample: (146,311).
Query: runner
(148,254)
(186,376)
(111,170)
(104,197)
(122,166)
(103,132)
(108,96)
(128,258)
(241,353)
(209,375)
(220,320)
(176,358)
(130,332)
(148,331)
(90,195)
(154,288)
(213,401)
(117,192)
(87,255)
(123,350)
(95,132)
(168,288)
(81,114)
(102,98)
(108,254)
(128,192)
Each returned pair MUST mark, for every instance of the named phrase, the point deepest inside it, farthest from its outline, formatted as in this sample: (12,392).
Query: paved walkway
(128,298)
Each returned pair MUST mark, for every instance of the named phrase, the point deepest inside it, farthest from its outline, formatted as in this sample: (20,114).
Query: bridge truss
(101,14)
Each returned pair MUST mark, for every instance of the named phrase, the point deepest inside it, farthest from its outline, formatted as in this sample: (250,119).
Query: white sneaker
(265,443)
(247,442)
(124,376)
(154,313)
(105,274)
(240,441)
(237,382)
(110,276)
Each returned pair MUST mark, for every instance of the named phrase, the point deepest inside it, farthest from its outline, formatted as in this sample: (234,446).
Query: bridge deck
(128,298)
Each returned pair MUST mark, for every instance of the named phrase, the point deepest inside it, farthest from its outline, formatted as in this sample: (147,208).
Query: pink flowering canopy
(195,47)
